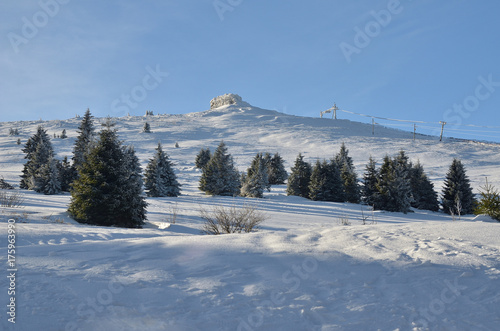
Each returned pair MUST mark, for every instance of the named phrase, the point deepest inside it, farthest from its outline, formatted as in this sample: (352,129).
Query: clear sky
(413,60)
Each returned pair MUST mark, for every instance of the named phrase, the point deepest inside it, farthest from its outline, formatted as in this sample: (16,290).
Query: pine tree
(402,193)
(202,158)
(300,177)
(424,195)
(348,174)
(67,174)
(489,204)
(383,197)
(160,177)
(63,134)
(393,185)
(132,190)
(38,150)
(457,190)
(317,184)
(47,181)
(146,128)
(84,140)
(275,169)
(106,190)
(370,178)
(256,180)
(219,176)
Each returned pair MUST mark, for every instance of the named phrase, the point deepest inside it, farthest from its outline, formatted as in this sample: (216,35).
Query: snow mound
(228,100)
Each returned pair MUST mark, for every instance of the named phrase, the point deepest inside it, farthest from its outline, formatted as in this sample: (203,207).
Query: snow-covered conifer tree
(256,180)
(146,128)
(401,185)
(317,183)
(424,195)
(84,140)
(326,183)
(219,176)
(348,174)
(160,178)
(393,185)
(47,181)
(370,178)
(276,169)
(106,192)
(133,187)
(457,190)
(67,174)
(489,203)
(300,177)
(202,158)
(38,151)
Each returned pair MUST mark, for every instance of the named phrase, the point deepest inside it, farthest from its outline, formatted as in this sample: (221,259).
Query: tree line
(107,185)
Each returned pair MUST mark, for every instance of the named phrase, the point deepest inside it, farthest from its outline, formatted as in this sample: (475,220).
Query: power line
(414,121)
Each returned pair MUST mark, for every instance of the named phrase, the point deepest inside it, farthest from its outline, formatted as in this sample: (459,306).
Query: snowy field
(303,269)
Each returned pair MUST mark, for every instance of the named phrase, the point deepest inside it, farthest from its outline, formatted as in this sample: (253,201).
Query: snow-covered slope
(302,270)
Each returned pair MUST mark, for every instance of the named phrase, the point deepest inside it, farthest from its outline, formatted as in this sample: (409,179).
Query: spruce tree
(317,184)
(146,128)
(133,188)
(275,169)
(219,176)
(383,197)
(348,174)
(47,181)
(106,191)
(256,180)
(202,158)
(489,203)
(370,178)
(84,140)
(457,191)
(326,183)
(38,151)
(63,134)
(402,193)
(67,173)
(300,177)
(160,177)
(393,187)
(424,195)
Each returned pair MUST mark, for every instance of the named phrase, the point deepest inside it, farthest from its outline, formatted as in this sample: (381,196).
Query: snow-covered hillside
(302,270)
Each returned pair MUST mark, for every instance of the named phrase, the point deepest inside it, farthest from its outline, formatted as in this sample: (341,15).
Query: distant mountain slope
(248,130)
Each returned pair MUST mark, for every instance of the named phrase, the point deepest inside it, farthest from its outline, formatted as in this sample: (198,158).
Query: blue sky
(414,60)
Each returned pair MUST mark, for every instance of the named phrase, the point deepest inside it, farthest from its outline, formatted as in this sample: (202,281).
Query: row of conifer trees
(106,183)
(397,185)
(105,179)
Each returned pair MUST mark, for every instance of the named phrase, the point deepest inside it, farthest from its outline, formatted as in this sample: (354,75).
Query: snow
(303,269)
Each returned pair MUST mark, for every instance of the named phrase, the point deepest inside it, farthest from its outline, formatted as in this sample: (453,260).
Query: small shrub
(4,185)
(489,203)
(10,198)
(344,220)
(222,220)
(172,214)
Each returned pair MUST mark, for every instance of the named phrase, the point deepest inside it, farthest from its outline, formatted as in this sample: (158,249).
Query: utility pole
(335,108)
(414,130)
(442,129)
(373,126)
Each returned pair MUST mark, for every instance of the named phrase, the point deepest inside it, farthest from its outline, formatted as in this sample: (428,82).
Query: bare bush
(9,198)
(222,220)
(344,220)
(172,214)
